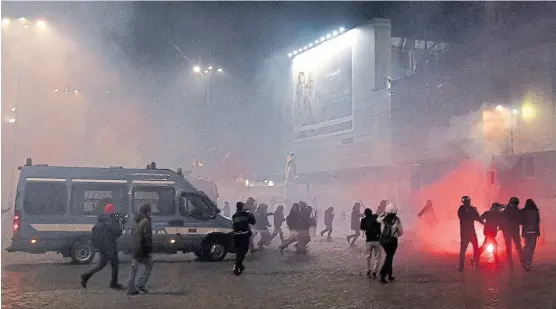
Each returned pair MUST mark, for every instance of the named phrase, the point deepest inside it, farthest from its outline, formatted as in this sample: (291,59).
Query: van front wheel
(213,249)
(82,252)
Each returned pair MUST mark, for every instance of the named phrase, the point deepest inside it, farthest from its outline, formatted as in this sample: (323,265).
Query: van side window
(89,199)
(161,200)
(45,198)
(197,209)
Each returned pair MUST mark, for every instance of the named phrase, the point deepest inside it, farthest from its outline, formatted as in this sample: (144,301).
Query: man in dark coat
(242,221)
(510,228)
(467,215)
(141,250)
(105,235)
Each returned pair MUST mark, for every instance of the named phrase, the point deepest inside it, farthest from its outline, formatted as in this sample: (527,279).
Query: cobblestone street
(330,276)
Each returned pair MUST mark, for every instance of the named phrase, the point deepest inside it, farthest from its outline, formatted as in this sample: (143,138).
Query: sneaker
(373,275)
(116,286)
(235,271)
(84,280)
(391,278)
(383,280)
(321,234)
(348,239)
(369,273)
(143,290)
(135,292)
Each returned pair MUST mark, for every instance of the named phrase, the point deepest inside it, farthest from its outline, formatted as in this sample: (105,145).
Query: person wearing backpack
(105,234)
(371,227)
(391,229)
(292,220)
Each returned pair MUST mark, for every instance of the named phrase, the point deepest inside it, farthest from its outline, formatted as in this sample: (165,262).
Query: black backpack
(386,237)
(97,236)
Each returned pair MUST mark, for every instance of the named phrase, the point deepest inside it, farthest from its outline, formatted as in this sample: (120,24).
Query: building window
(90,198)
(161,200)
(45,198)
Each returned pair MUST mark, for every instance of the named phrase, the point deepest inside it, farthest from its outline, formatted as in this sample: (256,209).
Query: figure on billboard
(299,95)
(304,99)
(308,102)
(291,168)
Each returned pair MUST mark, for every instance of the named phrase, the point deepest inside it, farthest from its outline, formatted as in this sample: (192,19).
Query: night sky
(239,35)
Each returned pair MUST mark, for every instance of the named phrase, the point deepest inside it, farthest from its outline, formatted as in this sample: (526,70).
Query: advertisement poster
(322,81)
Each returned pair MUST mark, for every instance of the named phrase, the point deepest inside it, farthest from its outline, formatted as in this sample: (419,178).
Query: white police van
(56,208)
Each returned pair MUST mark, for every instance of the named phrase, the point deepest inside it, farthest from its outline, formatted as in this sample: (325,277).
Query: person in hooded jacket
(292,221)
(242,221)
(372,229)
(105,234)
(278,221)
(226,209)
(510,229)
(491,220)
(328,222)
(531,230)
(427,213)
(304,224)
(391,230)
(355,223)
(141,250)
(467,215)
(262,225)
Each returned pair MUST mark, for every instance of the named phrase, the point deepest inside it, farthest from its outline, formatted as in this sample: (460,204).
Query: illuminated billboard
(322,89)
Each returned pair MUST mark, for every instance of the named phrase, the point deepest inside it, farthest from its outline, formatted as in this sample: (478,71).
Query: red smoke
(467,179)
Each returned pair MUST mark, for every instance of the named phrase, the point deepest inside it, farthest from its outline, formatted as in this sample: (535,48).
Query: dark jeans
(104,260)
(390,249)
(241,242)
(465,240)
(509,237)
(530,245)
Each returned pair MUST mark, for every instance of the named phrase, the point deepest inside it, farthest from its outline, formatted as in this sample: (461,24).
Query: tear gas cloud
(77,100)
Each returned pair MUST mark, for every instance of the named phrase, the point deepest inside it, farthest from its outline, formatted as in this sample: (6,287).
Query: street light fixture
(196,69)
(219,70)
(210,67)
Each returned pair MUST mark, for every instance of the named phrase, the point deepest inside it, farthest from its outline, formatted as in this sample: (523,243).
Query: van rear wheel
(82,252)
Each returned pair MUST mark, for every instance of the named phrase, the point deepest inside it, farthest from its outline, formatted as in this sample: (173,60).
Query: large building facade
(385,117)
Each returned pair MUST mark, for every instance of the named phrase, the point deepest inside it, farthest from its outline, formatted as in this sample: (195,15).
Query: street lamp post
(22,25)
(208,74)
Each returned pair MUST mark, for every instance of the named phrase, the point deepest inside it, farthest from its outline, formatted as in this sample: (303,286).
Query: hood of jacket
(103,218)
(140,217)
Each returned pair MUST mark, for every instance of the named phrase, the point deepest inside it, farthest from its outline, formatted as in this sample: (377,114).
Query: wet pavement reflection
(330,276)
